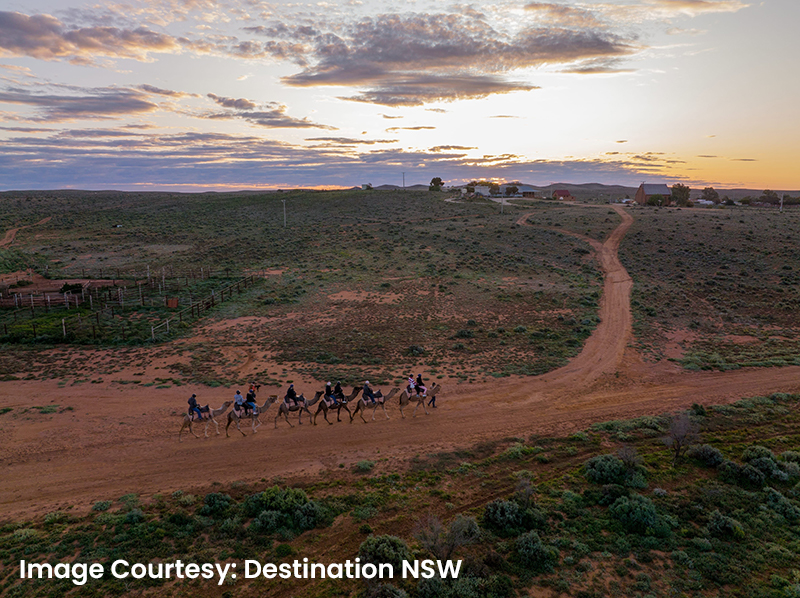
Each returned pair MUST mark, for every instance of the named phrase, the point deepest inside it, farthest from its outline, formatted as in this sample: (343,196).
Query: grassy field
(720,285)
(358,283)
(603,512)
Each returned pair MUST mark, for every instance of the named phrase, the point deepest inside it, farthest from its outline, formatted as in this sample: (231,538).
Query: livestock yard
(615,413)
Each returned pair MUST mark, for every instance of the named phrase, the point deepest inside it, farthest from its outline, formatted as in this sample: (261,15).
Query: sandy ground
(11,233)
(119,439)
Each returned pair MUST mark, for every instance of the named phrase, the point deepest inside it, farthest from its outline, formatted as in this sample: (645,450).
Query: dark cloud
(152,89)
(241,103)
(387,116)
(420,58)
(46,38)
(99,103)
(417,90)
(272,115)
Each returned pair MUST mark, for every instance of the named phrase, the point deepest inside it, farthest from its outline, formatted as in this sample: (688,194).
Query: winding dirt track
(120,440)
(11,233)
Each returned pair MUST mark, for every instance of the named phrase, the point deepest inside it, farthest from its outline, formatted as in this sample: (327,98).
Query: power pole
(404,181)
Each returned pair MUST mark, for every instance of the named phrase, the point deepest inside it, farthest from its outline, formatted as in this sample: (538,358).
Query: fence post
(152,329)
(34,329)
(167,326)
(64,327)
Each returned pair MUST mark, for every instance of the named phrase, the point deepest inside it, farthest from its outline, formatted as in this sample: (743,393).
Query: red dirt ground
(121,439)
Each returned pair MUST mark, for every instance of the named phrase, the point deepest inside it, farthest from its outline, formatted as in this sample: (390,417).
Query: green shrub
(384,549)
(605,469)
(134,516)
(636,513)
(706,454)
(102,505)
(782,505)
(757,452)
(365,466)
(533,554)
(215,505)
(721,526)
(283,550)
(504,517)
(465,333)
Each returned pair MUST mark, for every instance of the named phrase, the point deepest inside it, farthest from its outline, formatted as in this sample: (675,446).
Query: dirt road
(11,233)
(119,439)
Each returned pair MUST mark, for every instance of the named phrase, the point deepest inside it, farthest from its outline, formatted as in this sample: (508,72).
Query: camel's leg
(374,409)
(424,407)
(325,414)
(353,415)
(216,424)
(361,412)
(239,421)
(316,413)
(181,431)
(228,425)
(383,406)
(192,429)
(415,410)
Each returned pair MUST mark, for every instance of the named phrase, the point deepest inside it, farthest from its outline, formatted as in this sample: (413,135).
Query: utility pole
(404,181)
(284,212)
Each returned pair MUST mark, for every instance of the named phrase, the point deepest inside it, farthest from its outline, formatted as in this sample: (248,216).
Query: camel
(405,399)
(212,414)
(254,416)
(361,406)
(301,405)
(324,407)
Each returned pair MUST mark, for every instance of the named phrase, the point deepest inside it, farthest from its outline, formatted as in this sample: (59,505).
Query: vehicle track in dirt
(124,439)
(11,233)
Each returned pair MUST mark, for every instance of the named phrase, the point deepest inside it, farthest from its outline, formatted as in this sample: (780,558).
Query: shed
(646,191)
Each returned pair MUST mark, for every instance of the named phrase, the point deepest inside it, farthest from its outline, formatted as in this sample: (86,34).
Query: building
(483,190)
(563,194)
(646,191)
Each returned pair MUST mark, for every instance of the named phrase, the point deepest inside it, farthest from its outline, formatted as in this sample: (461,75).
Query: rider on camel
(411,385)
(238,402)
(329,396)
(250,401)
(420,386)
(338,393)
(194,407)
(291,396)
(368,394)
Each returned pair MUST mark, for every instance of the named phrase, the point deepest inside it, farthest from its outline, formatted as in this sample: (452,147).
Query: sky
(192,95)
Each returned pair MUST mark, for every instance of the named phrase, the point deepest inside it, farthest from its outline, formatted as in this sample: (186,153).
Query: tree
(655,200)
(680,194)
(683,433)
(494,188)
(710,194)
(769,196)
(511,190)
(436,184)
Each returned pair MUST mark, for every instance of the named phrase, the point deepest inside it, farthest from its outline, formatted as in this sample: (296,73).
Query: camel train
(301,404)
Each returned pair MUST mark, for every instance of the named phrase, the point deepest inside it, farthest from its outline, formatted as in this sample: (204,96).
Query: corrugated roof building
(646,191)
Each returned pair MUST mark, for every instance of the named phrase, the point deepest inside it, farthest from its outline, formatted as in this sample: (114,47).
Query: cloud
(241,103)
(108,102)
(272,115)
(693,8)
(350,140)
(46,38)
(621,141)
(450,148)
(416,59)
(389,117)
(92,159)
(564,16)
(417,90)
(418,128)
(152,89)
(504,116)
